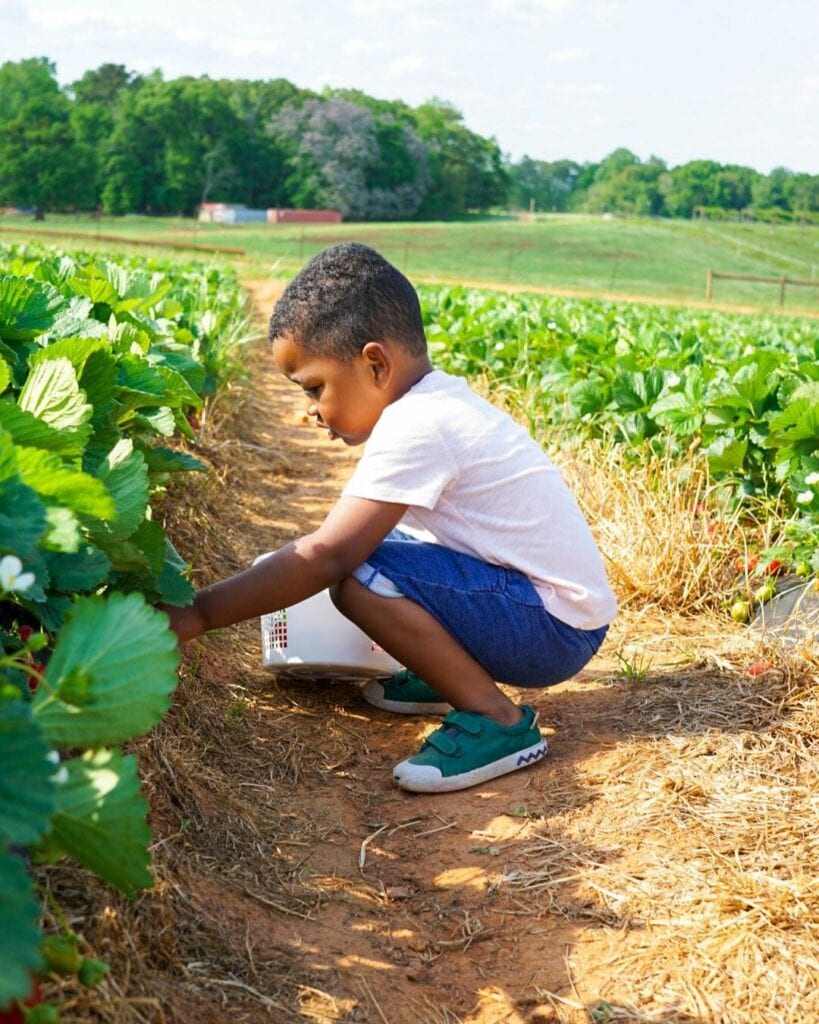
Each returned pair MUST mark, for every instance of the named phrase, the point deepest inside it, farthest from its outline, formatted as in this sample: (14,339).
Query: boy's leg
(486,736)
(416,639)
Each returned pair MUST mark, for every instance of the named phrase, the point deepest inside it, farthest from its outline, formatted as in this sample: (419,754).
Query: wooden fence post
(709,285)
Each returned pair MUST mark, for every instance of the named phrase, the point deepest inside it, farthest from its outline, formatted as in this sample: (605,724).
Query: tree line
(121,142)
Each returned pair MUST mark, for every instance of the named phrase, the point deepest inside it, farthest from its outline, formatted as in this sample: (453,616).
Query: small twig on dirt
(362,853)
(465,941)
(277,906)
(406,824)
(249,951)
(266,1001)
(561,999)
(167,766)
(570,975)
(372,998)
(440,828)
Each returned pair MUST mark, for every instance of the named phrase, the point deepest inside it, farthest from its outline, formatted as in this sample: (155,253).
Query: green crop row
(743,388)
(103,363)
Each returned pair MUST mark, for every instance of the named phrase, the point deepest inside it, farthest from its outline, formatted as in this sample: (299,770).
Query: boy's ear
(379,362)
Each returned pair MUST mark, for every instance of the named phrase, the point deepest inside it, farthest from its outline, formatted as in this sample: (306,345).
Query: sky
(736,81)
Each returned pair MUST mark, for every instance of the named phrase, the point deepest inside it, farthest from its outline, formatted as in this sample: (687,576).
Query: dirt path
(297,883)
(391,904)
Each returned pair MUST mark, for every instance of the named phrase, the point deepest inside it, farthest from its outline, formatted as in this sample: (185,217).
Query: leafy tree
(614,164)
(97,97)
(261,168)
(41,163)
(622,184)
(802,193)
(103,86)
(466,171)
(550,185)
(173,143)
(691,185)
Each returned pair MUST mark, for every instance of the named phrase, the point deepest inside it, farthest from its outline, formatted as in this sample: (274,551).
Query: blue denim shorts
(493,612)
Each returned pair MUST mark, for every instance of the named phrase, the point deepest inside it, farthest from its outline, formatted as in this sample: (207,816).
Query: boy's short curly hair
(346,296)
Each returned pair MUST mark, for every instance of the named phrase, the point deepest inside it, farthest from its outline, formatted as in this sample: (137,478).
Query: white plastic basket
(314,636)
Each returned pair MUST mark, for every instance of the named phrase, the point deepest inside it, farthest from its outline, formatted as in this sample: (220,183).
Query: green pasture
(663,260)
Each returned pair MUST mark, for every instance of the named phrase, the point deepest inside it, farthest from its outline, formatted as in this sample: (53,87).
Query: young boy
(455,545)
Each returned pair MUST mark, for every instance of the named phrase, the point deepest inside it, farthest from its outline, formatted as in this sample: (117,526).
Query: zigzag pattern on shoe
(534,756)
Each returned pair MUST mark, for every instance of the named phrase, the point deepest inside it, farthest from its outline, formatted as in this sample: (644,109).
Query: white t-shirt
(476,482)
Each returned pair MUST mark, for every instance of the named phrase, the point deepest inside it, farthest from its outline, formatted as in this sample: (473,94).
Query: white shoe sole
(373,693)
(422,778)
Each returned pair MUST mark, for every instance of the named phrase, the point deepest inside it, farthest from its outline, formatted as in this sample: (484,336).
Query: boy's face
(346,398)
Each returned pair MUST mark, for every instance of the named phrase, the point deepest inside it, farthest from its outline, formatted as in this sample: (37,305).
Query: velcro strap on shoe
(466,721)
(442,742)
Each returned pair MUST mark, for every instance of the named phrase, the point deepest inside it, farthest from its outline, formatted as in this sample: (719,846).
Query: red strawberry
(34,681)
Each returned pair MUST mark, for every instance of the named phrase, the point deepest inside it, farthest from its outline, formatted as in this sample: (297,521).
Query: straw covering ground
(661,864)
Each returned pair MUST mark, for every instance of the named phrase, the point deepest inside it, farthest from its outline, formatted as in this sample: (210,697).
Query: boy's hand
(185,622)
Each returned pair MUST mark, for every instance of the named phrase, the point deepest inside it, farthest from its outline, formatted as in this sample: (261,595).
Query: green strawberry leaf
(130,658)
(45,473)
(27,307)
(22,517)
(26,790)
(29,430)
(20,936)
(99,819)
(124,474)
(77,571)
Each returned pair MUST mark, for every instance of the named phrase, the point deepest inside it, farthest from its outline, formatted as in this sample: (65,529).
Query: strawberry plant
(101,364)
(745,389)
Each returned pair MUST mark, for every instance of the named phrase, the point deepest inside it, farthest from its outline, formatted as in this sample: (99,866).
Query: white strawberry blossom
(804,498)
(12,576)
(811,479)
(61,775)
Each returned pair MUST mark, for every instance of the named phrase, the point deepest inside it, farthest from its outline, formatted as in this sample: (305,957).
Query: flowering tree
(343,156)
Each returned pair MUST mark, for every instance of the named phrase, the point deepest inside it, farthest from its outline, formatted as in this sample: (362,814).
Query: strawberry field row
(744,389)
(104,363)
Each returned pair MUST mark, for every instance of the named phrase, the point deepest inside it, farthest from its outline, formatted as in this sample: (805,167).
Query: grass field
(656,259)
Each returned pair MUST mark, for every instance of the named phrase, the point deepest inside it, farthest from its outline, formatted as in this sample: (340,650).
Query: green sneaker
(405,694)
(469,749)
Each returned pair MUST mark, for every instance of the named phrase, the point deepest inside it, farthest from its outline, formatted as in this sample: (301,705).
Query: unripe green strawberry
(92,971)
(740,611)
(61,954)
(764,593)
(45,1013)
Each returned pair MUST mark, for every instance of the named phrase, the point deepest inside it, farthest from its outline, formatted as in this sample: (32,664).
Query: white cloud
(568,55)
(405,66)
(56,20)
(245,48)
(358,47)
(415,22)
(379,7)
(530,10)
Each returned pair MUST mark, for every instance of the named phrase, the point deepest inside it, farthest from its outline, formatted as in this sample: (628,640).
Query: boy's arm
(351,532)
